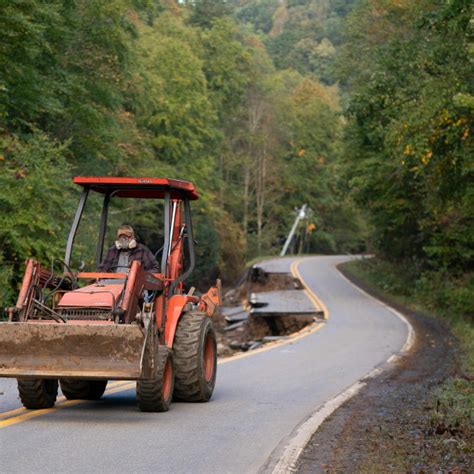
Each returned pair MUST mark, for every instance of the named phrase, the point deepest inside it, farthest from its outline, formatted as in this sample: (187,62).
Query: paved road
(258,400)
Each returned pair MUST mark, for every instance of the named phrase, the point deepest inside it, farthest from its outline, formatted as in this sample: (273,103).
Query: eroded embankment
(251,314)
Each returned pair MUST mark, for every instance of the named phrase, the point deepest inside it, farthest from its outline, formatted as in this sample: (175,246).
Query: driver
(125,251)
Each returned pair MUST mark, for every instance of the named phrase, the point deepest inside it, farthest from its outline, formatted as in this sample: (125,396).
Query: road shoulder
(396,421)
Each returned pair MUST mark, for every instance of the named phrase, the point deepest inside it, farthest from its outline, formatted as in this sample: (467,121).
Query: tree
(409,144)
(34,205)
(205,12)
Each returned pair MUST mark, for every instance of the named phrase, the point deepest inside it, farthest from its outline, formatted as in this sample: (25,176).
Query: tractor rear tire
(77,389)
(156,395)
(37,393)
(195,357)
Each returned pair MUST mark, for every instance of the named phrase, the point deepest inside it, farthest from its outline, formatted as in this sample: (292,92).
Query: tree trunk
(260,194)
(246,199)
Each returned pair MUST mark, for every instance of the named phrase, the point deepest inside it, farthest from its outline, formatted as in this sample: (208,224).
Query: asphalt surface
(257,403)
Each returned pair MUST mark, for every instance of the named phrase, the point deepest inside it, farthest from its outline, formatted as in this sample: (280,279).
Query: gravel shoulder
(401,421)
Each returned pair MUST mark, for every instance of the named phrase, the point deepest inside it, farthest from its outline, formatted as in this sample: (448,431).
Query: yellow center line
(60,401)
(34,413)
(123,385)
(309,292)
(6,414)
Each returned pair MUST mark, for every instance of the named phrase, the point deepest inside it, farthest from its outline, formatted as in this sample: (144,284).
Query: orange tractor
(81,329)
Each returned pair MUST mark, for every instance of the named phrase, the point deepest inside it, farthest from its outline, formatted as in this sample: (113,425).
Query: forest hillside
(362,109)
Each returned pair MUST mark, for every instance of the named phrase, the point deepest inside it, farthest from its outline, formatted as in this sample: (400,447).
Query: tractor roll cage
(137,190)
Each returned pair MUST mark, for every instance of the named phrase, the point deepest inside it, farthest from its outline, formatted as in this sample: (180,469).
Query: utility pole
(301,215)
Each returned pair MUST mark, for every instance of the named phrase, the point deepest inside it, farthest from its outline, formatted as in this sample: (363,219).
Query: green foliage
(34,176)
(258,13)
(29,87)
(64,70)
(409,140)
(178,112)
(205,12)
(311,166)
(226,65)
(302,34)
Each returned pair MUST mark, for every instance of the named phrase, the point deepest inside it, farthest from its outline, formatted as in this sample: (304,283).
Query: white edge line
(287,462)
(302,435)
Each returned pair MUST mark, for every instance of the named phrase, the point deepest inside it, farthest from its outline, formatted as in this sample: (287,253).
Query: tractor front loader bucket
(86,351)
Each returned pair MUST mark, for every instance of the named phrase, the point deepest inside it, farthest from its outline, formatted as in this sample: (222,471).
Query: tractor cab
(112,294)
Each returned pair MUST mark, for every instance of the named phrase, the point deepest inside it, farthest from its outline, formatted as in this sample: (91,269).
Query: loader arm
(32,293)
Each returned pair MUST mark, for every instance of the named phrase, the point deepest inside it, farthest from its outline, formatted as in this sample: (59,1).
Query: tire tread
(150,391)
(34,393)
(186,349)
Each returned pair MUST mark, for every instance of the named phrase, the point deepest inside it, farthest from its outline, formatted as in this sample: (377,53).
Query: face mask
(124,243)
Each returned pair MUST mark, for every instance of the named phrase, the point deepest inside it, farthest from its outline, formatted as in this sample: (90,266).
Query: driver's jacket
(141,253)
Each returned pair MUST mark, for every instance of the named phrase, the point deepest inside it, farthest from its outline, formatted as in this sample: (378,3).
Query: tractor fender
(174,311)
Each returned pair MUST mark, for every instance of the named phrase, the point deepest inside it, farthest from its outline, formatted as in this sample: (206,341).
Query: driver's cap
(125,230)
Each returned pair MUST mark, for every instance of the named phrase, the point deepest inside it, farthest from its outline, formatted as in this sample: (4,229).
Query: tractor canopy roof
(147,188)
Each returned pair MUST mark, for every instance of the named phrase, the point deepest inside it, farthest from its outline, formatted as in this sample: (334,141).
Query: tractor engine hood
(98,295)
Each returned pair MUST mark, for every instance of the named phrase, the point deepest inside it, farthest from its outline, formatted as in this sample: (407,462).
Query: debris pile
(267,305)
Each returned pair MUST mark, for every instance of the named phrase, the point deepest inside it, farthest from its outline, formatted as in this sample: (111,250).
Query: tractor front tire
(155,395)
(77,389)
(195,357)
(37,393)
